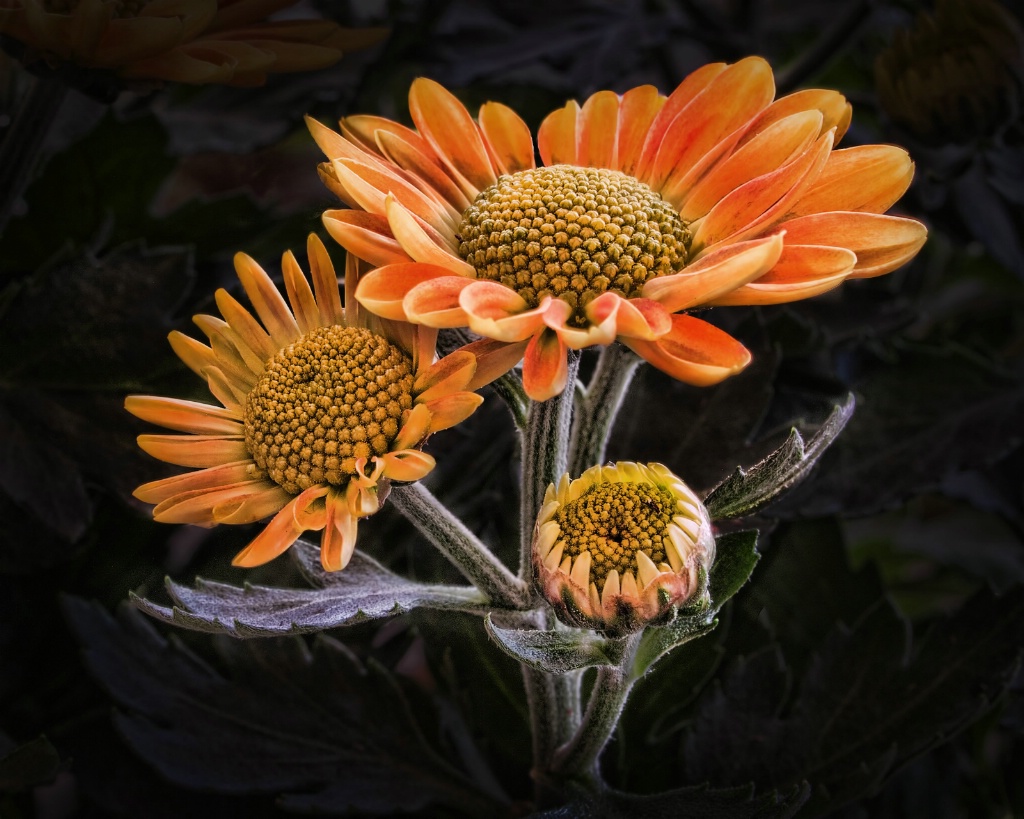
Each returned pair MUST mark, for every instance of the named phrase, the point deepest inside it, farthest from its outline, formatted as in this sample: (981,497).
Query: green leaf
(735,558)
(331,733)
(365,590)
(557,651)
(657,641)
(747,490)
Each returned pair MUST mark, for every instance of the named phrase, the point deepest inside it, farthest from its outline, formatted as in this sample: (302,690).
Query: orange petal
(452,409)
(437,302)
(334,145)
(451,374)
(636,318)
(423,167)
(195,450)
(226,354)
(801,272)
(599,128)
(245,326)
(407,465)
(691,86)
(381,291)
(421,242)
(267,300)
(184,416)
(366,128)
(198,506)
(370,187)
(545,368)
(730,101)
(867,178)
(836,112)
(325,282)
(637,109)
(493,359)
(448,127)
(556,137)
(773,148)
(366,235)
(204,479)
(226,390)
(338,541)
(497,312)
(694,352)
(715,274)
(415,428)
(882,243)
(196,355)
(753,207)
(508,136)
(300,296)
(306,511)
(253,506)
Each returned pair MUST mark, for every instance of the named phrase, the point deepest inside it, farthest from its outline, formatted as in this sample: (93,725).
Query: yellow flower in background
(188,41)
(320,408)
(645,208)
(621,547)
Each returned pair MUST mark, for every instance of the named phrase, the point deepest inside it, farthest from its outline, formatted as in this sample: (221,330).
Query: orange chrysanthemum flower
(188,41)
(645,207)
(321,407)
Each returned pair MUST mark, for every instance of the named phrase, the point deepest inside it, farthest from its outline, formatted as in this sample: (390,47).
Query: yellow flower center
(335,395)
(614,521)
(572,233)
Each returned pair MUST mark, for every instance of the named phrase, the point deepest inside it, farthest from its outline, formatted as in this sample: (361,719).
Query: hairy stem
(449,534)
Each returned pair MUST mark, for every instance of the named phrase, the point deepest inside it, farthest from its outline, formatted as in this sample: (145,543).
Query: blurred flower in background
(188,41)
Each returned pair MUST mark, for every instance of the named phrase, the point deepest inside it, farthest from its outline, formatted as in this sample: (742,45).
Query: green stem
(577,759)
(24,140)
(545,456)
(449,534)
(599,407)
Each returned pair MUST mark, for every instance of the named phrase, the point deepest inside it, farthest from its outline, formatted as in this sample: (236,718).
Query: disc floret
(621,547)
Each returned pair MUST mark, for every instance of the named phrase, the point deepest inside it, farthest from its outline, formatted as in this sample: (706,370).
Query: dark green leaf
(365,590)
(557,651)
(316,722)
(747,490)
(33,763)
(735,558)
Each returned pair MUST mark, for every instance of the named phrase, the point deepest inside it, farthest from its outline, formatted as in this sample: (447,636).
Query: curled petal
(836,112)
(415,428)
(493,359)
(422,243)
(437,302)
(184,416)
(381,291)
(423,167)
(497,312)
(694,352)
(882,243)
(215,477)
(194,450)
(451,374)
(253,507)
(636,318)
(715,274)
(338,541)
(801,272)
(452,409)
(545,365)
(198,506)
(306,511)
(407,465)
(508,137)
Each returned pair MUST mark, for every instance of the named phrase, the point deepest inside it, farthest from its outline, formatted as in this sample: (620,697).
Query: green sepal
(747,490)
(558,651)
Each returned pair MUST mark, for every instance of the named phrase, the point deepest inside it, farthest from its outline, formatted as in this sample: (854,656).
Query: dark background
(870,668)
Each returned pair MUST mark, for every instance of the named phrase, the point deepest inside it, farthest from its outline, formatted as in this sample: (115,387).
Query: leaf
(314,723)
(30,764)
(657,641)
(363,591)
(557,651)
(698,802)
(747,490)
(735,558)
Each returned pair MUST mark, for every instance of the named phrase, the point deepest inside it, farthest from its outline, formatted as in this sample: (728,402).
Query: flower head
(621,547)
(645,208)
(189,41)
(320,408)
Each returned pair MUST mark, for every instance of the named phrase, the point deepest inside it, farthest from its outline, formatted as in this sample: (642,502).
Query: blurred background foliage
(871,667)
